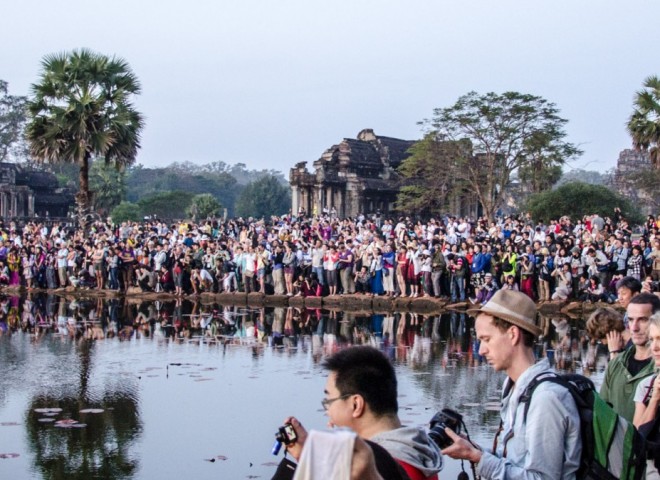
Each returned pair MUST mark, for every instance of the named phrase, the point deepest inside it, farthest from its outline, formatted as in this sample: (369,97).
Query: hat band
(497,308)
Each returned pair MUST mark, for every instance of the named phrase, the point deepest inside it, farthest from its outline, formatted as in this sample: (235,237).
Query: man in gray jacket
(545,446)
(361,393)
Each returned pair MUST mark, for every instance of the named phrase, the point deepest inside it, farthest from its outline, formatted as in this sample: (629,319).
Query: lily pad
(66,421)
(9,424)
(45,420)
(92,410)
(48,410)
(9,455)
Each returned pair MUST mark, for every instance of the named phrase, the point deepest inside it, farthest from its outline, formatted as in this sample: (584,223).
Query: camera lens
(446,418)
(438,435)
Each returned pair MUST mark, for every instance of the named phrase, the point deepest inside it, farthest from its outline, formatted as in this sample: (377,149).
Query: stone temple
(26,193)
(355,176)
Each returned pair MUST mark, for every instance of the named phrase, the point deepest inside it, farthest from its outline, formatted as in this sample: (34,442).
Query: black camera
(286,435)
(446,418)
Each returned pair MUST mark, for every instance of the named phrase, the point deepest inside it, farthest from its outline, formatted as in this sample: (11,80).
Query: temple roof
(368,154)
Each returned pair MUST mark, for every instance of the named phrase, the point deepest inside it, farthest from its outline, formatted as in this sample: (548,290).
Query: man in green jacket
(633,364)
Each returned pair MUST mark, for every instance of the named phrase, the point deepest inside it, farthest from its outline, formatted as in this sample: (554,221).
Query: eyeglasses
(325,403)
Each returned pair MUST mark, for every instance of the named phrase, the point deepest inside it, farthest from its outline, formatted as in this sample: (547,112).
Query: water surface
(182,390)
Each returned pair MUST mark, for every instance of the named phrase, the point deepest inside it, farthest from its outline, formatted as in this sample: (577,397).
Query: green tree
(12,122)
(263,198)
(427,186)
(578,199)
(543,165)
(167,205)
(108,186)
(203,206)
(125,212)
(506,132)
(80,110)
(644,123)
(142,182)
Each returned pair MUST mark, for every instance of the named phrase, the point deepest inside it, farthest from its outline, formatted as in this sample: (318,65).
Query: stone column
(318,199)
(30,212)
(295,201)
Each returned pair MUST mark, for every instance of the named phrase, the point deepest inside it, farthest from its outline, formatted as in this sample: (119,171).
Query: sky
(273,83)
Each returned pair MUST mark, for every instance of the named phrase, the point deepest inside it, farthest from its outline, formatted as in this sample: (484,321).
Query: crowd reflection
(412,338)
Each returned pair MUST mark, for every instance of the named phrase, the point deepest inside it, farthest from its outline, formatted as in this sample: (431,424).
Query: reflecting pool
(119,390)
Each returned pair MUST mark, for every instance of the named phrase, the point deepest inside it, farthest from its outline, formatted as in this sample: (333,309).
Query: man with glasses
(361,394)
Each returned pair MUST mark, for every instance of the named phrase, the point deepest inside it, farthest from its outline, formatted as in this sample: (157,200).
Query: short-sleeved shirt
(643,390)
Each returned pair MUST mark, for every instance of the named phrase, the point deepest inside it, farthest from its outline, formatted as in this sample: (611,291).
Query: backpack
(611,446)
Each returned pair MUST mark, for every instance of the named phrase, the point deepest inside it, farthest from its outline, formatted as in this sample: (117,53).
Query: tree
(166,205)
(426,187)
(203,206)
(506,132)
(644,123)
(263,198)
(578,199)
(81,109)
(126,212)
(12,122)
(543,166)
(108,186)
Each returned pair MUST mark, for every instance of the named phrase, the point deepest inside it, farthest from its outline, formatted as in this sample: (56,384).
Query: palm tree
(81,110)
(644,123)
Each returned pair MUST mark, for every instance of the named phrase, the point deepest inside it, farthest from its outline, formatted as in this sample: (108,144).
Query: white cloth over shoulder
(326,455)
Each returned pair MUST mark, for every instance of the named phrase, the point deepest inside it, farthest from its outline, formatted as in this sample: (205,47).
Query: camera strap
(505,393)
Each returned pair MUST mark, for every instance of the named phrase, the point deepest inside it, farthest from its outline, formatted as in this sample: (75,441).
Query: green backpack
(612,448)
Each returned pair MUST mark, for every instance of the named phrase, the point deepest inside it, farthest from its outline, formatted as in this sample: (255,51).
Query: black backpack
(612,448)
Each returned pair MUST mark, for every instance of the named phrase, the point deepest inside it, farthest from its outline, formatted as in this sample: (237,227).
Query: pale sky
(272,83)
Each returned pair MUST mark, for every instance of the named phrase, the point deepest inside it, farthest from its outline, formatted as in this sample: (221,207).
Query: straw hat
(513,307)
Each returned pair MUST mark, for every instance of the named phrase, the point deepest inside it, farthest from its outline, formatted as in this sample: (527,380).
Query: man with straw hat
(545,445)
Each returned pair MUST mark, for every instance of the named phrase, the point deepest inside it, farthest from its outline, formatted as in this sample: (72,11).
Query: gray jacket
(546,446)
(413,446)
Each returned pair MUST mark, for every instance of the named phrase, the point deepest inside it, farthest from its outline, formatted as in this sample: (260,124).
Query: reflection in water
(102,449)
(436,357)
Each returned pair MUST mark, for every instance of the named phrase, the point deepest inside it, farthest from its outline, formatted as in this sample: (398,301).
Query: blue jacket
(481,262)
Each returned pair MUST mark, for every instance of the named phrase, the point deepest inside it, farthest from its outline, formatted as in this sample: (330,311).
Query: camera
(446,418)
(286,435)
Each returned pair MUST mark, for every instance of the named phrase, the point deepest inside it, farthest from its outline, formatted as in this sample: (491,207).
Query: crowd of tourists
(551,426)
(452,256)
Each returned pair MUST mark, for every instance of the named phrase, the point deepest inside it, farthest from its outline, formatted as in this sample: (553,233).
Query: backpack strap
(526,396)
(575,384)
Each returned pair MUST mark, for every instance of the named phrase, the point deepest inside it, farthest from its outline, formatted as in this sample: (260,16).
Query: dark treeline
(170,191)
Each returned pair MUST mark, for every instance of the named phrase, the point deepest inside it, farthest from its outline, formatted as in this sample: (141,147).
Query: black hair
(631,283)
(366,371)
